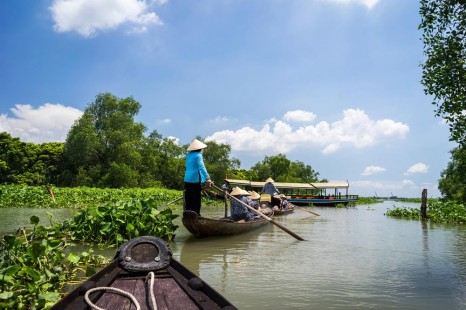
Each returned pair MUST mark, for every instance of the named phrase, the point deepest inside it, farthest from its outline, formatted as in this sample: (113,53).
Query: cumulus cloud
(87,17)
(370,170)
(354,129)
(368,3)
(417,168)
(299,116)
(47,123)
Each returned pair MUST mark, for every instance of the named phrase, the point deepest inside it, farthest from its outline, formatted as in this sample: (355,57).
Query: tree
(444,69)
(281,169)
(217,160)
(452,183)
(103,146)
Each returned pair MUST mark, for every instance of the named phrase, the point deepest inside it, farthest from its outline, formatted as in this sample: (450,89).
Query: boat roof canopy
(313,185)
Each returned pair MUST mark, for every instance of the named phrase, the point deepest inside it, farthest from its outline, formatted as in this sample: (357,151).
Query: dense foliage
(452,183)
(444,70)
(29,163)
(118,222)
(437,212)
(34,267)
(12,196)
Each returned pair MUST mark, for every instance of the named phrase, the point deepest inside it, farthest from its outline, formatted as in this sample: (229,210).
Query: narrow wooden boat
(145,272)
(203,227)
(284,212)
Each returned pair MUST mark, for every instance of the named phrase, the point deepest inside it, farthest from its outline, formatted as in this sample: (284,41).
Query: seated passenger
(255,200)
(283,203)
(237,210)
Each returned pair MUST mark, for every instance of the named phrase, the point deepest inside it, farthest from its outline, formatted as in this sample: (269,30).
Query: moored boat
(203,227)
(144,273)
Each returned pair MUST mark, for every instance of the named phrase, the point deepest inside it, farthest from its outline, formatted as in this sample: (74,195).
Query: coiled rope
(124,293)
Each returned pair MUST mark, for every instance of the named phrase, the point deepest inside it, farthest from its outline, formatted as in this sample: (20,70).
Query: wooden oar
(262,214)
(173,201)
(304,209)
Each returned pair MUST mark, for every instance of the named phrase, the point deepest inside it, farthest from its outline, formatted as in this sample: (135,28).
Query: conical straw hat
(269,180)
(196,145)
(255,195)
(246,193)
(236,191)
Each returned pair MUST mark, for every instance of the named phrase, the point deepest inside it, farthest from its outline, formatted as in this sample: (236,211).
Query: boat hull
(204,227)
(174,286)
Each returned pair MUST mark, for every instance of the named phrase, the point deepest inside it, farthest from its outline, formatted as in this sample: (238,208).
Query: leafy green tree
(29,163)
(217,160)
(444,69)
(281,169)
(103,146)
(452,183)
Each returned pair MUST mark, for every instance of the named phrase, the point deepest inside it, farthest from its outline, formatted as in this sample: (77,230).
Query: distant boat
(315,193)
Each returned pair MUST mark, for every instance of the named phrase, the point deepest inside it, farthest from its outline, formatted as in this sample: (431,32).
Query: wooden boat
(284,212)
(144,270)
(203,227)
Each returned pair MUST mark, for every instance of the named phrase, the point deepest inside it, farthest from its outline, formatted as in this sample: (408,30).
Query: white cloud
(368,3)
(219,120)
(370,170)
(354,129)
(300,116)
(164,121)
(86,17)
(417,168)
(47,123)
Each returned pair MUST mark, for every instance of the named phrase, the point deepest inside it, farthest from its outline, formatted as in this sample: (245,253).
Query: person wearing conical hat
(195,174)
(237,210)
(269,188)
(255,200)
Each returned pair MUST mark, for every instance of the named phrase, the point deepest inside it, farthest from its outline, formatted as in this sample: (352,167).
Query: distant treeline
(107,148)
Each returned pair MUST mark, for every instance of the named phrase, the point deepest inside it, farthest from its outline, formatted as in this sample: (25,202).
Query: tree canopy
(106,147)
(444,69)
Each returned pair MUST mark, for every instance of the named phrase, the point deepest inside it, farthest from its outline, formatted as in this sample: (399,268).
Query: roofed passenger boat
(144,275)
(314,193)
(204,227)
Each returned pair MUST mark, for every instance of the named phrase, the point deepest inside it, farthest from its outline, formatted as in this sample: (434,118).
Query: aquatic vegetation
(17,196)
(437,212)
(115,223)
(34,268)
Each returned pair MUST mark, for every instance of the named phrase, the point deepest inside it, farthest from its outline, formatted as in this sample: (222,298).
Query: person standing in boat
(195,174)
(269,188)
(237,210)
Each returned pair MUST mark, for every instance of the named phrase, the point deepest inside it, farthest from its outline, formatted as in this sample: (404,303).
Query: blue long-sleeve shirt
(196,171)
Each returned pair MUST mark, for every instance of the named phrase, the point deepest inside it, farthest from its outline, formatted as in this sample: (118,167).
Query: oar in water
(304,209)
(170,202)
(263,215)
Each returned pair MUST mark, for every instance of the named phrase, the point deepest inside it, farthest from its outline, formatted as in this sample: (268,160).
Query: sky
(334,84)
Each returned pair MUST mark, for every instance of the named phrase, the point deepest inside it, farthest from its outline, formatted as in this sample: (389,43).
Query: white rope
(122,292)
(114,289)
(151,288)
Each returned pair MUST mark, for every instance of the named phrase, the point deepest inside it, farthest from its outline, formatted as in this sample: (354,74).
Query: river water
(355,258)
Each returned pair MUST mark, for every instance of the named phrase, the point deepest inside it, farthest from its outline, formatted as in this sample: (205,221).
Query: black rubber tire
(159,258)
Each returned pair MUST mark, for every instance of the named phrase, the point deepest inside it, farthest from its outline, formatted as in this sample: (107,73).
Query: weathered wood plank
(171,296)
(110,300)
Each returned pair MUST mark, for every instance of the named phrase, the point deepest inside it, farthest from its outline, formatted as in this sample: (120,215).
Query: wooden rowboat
(203,227)
(284,212)
(145,269)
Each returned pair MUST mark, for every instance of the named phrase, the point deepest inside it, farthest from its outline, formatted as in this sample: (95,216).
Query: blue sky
(332,83)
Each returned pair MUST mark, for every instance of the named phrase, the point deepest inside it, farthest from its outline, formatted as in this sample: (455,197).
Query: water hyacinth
(437,212)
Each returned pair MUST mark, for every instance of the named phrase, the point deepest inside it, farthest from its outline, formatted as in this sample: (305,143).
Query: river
(355,258)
